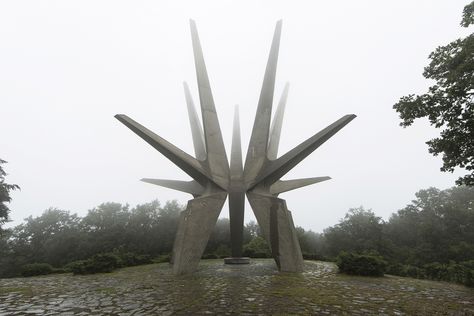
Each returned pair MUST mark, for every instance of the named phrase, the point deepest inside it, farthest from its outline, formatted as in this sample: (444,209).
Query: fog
(67,67)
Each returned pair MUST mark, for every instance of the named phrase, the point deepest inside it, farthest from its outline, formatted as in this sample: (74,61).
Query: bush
(406,271)
(36,269)
(436,271)
(209,256)
(358,264)
(130,259)
(222,251)
(162,258)
(100,263)
(462,272)
(312,256)
(257,248)
(468,278)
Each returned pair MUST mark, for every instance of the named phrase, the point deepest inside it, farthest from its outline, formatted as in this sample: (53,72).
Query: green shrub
(468,277)
(100,263)
(130,259)
(437,271)
(222,251)
(257,248)
(162,258)
(74,266)
(210,256)
(36,269)
(358,264)
(396,269)
(462,272)
(312,256)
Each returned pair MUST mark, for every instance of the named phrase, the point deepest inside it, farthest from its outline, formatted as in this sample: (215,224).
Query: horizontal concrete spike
(194,229)
(287,185)
(216,155)
(191,187)
(257,150)
(276,169)
(196,127)
(277,123)
(187,163)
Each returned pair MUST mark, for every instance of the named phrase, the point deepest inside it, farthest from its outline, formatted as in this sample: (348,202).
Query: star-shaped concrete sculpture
(214,179)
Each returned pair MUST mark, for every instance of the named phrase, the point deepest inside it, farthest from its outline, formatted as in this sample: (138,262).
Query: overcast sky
(67,67)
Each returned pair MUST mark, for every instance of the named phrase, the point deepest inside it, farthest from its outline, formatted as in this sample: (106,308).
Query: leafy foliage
(432,237)
(5,189)
(257,248)
(449,103)
(358,231)
(130,259)
(357,264)
(33,269)
(100,263)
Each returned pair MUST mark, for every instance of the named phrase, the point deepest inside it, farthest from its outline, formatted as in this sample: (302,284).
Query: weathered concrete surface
(278,228)
(219,289)
(194,229)
(261,174)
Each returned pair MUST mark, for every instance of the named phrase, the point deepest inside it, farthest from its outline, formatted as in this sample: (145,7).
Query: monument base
(237,260)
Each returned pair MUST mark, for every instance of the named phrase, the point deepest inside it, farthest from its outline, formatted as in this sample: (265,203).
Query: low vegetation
(359,264)
(431,238)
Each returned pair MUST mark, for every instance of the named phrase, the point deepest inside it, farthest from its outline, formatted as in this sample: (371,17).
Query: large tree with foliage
(5,189)
(449,102)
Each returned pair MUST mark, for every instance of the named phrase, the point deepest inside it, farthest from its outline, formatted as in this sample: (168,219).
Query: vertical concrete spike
(236,194)
(216,155)
(277,123)
(257,150)
(196,127)
(236,168)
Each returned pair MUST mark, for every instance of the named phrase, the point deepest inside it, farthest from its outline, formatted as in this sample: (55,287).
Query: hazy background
(66,67)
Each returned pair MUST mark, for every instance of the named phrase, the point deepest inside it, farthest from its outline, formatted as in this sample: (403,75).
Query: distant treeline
(433,232)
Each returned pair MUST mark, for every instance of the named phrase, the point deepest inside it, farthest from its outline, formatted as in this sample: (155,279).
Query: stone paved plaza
(255,289)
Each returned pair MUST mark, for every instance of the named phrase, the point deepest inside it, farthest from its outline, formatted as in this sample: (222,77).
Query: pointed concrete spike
(278,168)
(257,150)
(196,127)
(184,161)
(191,187)
(287,185)
(236,192)
(277,123)
(216,155)
(236,168)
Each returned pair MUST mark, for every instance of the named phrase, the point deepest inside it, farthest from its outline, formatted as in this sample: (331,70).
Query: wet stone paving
(254,289)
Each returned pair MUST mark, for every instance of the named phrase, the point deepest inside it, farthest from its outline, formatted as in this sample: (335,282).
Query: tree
(359,231)
(438,226)
(449,102)
(5,189)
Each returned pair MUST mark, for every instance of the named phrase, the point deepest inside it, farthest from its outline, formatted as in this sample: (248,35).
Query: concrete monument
(214,178)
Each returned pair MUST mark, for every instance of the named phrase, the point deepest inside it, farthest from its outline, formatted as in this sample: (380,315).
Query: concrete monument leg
(195,227)
(277,226)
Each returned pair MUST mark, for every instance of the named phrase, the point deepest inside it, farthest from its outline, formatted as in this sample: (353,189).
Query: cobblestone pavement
(255,289)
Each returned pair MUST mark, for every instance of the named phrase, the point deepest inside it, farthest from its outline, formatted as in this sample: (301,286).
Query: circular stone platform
(224,289)
(237,260)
